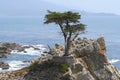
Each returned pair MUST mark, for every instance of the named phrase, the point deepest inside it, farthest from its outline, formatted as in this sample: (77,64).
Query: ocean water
(32,31)
(18,60)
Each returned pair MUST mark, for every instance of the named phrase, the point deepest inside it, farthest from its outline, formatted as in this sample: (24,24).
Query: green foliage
(69,24)
(63,68)
(57,17)
(69,21)
(65,19)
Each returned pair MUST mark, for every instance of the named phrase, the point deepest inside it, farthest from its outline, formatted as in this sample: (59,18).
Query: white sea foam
(18,60)
(114,61)
(15,65)
(31,50)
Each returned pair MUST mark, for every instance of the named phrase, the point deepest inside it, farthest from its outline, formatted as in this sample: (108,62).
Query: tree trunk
(64,34)
(67,48)
(68,45)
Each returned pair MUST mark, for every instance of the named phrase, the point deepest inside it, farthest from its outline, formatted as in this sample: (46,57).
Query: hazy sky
(35,7)
(108,6)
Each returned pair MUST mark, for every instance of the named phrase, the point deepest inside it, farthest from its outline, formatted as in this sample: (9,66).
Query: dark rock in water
(11,46)
(36,49)
(4,65)
(45,52)
(2,55)
(26,61)
(3,52)
(6,48)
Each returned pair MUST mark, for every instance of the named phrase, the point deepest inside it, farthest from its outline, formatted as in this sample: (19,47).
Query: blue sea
(32,31)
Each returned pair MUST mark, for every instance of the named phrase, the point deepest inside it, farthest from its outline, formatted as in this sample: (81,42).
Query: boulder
(83,47)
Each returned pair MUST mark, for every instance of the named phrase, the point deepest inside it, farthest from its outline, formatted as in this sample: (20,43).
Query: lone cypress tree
(69,24)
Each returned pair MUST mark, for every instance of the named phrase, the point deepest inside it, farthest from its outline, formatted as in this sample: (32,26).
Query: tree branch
(75,36)
(65,36)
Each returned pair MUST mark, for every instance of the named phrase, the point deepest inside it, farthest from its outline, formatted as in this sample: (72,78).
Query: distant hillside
(85,13)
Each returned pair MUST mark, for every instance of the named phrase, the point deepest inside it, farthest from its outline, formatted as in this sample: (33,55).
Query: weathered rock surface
(101,42)
(57,51)
(87,61)
(4,65)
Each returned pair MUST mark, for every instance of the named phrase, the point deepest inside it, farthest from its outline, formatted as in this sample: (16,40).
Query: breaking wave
(18,60)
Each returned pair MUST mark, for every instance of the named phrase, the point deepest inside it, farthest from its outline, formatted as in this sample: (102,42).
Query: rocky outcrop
(101,42)
(10,46)
(87,61)
(4,65)
(6,48)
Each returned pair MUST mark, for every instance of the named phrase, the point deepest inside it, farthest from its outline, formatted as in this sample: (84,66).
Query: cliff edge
(87,61)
